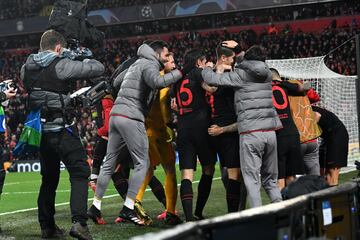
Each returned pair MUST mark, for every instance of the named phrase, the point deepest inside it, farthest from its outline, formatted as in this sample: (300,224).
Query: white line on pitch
(66,203)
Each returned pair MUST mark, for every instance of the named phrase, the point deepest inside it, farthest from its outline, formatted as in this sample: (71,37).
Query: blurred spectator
(10,9)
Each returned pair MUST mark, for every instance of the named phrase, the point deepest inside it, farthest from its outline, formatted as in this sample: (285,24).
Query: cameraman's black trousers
(2,175)
(62,146)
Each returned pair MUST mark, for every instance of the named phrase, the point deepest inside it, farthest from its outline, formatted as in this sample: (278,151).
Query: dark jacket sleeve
(153,79)
(293,88)
(228,79)
(68,69)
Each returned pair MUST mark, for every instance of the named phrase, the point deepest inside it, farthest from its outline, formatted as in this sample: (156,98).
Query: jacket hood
(256,69)
(40,60)
(145,51)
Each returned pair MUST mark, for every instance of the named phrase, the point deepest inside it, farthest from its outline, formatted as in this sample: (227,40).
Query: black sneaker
(80,232)
(172,219)
(95,215)
(130,215)
(55,232)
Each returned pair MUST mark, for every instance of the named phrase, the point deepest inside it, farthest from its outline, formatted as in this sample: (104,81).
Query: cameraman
(8,93)
(47,77)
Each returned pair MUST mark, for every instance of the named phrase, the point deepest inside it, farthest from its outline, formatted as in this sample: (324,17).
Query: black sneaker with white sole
(131,216)
(95,215)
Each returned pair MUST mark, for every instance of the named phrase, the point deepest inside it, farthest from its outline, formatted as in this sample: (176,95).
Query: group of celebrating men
(237,110)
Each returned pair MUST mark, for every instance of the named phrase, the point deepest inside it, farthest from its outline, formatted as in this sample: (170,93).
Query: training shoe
(119,220)
(55,232)
(162,216)
(141,213)
(80,232)
(131,216)
(95,215)
(172,219)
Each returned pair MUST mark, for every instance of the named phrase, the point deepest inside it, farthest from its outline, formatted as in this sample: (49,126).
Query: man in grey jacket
(137,91)
(47,77)
(257,121)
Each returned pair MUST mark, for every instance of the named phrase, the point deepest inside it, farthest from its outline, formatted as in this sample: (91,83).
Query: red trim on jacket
(269,130)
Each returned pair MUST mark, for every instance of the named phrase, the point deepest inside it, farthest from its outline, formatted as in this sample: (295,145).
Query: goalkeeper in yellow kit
(161,152)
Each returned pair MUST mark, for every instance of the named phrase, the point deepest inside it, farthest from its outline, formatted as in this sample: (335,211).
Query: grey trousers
(310,151)
(133,134)
(258,156)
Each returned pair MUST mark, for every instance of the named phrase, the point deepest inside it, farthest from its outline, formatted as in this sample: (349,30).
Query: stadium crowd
(222,69)
(12,9)
(286,44)
(272,15)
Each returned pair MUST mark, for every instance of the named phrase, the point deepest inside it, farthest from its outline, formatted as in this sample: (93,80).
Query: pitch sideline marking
(66,203)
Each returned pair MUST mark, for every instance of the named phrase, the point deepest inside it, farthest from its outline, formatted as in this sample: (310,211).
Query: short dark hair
(221,50)
(50,39)
(192,56)
(158,45)
(255,52)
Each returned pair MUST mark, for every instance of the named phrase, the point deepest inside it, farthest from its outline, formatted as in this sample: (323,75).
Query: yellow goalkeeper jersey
(159,115)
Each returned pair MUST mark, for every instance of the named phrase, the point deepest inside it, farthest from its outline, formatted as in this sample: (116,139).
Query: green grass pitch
(18,214)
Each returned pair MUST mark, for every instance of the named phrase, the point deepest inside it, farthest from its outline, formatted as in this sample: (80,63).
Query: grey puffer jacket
(138,85)
(251,81)
(64,70)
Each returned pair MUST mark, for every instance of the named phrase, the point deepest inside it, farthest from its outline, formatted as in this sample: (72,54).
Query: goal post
(338,93)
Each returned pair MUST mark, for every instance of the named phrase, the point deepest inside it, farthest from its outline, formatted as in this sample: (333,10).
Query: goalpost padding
(337,92)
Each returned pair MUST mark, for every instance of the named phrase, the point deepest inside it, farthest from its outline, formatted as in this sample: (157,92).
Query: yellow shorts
(160,151)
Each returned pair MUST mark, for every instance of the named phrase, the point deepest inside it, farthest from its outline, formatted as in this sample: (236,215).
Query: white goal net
(337,92)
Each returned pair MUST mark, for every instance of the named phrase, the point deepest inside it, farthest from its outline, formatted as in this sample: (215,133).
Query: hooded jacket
(251,81)
(138,85)
(59,73)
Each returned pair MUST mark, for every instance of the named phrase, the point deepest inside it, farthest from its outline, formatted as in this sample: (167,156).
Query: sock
(142,189)
(243,195)
(99,154)
(97,203)
(224,176)
(129,203)
(171,192)
(158,190)
(121,184)
(203,194)
(233,195)
(186,195)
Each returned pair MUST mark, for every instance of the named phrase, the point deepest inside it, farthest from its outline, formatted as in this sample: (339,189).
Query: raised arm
(228,79)
(154,80)
(67,69)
